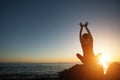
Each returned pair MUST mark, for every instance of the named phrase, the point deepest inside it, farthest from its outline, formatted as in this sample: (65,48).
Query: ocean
(27,71)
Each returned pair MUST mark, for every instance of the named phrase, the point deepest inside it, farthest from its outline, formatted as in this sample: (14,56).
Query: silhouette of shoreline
(91,72)
(76,71)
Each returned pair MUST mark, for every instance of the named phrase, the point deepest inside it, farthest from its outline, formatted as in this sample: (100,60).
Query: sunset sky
(48,30)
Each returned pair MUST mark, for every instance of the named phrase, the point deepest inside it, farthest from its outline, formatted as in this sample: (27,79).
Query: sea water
(31,70)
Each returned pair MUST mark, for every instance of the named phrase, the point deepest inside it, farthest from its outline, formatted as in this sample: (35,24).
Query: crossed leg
(94,59)
(81,58)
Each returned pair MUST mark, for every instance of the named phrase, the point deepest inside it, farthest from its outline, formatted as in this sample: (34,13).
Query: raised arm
(80,34)
(86,24)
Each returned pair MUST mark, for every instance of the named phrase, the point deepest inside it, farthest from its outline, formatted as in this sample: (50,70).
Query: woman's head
(85,35)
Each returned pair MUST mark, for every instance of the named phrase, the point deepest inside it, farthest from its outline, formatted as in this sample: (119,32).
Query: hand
(81,24)
(86,24)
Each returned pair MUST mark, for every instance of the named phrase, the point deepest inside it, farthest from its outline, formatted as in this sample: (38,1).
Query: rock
(83,72)
(113,72)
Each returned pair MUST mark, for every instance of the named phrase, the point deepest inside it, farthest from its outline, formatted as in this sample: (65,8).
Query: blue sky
(48,30)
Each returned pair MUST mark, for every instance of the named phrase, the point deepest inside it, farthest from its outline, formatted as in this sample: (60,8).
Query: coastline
(55,76)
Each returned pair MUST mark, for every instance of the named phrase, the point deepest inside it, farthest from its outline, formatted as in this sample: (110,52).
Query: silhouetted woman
(86,41)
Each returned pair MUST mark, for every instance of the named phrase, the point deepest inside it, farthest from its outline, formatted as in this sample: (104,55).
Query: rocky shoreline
(91,72)
(76,72)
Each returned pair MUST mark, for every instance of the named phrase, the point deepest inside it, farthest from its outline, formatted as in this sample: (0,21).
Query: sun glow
(104,61)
